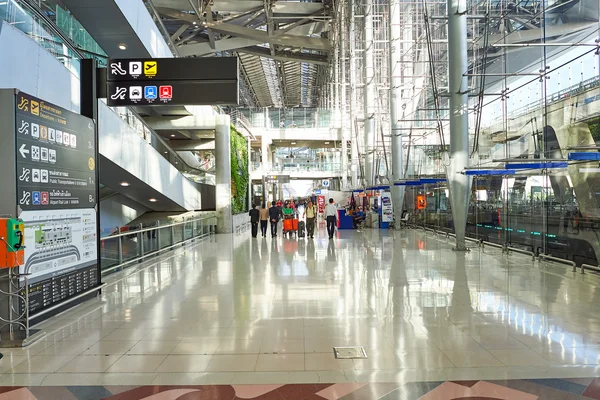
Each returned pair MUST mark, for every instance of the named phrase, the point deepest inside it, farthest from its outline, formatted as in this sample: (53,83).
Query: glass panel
(109,253)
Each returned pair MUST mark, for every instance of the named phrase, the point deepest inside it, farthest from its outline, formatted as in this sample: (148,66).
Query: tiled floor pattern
(234,310)
(549,389)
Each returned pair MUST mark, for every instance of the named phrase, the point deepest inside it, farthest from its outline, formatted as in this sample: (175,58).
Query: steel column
(353,130)
(342,83)
(459,184)
(395,52)
(369,91)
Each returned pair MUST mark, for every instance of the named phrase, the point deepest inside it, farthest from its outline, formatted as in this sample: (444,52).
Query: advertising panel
(56,199)
(321,204)
(387,210)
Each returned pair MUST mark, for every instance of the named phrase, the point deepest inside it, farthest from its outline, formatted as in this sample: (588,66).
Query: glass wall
(273,118)
(541,102)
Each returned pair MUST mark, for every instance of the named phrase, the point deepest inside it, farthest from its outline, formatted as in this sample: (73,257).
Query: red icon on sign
(166,92)
(45,198)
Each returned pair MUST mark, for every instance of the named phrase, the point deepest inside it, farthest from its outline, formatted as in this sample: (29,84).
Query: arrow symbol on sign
(23,151)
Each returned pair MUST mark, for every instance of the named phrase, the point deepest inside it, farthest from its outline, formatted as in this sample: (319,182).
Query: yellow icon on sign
(150,68)
(35,107)
(91,164)
(24,104)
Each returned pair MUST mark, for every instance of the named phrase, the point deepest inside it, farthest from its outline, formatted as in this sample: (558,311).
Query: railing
(564,94)
(32,22)
(288,118)
(135,244)
(300,167)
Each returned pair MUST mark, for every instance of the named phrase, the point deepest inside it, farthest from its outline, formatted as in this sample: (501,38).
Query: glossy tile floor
(236,310)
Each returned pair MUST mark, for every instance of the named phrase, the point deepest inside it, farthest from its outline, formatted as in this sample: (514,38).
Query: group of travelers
(290,209)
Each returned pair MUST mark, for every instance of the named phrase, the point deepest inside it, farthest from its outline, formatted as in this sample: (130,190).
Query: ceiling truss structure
(283,46)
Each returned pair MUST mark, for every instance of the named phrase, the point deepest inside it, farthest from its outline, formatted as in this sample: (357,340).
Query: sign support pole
(89,108)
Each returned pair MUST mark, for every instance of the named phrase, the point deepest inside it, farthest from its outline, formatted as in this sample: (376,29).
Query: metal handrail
(143,230)
(139,233)
(558,260)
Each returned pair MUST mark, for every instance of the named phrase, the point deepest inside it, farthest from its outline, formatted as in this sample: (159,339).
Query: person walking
(254,218)
(274,215)
(264,220)
(310,212)
(331,215)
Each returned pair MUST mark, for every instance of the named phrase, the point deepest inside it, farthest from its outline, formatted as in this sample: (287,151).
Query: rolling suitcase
(288,225)
(295,224)
(301,229)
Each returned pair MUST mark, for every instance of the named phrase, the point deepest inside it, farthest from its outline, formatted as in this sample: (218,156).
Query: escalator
(138,165)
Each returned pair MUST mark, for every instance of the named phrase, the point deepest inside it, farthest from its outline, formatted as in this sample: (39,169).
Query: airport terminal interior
(300,199)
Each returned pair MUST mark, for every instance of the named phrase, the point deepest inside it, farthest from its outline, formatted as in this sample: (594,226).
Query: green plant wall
(240,175)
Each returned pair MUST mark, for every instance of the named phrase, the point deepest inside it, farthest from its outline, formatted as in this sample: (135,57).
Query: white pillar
(395,71)
(343,116)
(353,132)
(369,91)
(459,184)
(223,173)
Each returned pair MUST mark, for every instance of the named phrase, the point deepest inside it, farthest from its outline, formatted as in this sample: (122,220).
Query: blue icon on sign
(150,92)
(36,198)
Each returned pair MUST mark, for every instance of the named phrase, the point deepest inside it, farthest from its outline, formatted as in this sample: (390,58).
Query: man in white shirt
(331,215)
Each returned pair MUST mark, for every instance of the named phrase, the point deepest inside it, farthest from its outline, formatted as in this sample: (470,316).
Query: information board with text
(57,197)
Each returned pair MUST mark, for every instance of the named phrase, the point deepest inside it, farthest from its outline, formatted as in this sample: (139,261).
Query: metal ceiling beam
(179,31)
(264,37)
(209,19)
(286,55)
(201,49)
(295,25)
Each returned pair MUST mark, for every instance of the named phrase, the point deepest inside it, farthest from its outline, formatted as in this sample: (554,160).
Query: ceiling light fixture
(293,143)
(326,142)
(124,184)
(152,200)
(122,46)
(172,135)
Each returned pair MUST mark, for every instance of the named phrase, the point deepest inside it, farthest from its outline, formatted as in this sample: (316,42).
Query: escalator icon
(24,104)
(119,94)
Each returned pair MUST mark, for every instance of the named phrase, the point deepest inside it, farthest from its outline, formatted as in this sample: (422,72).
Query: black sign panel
(173,69)
(274,179)
(51,291)
(56,158)
(56,196)
(172,93)
(173,81)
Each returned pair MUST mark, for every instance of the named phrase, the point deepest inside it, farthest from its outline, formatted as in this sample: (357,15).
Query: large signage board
(56,198)
(173,81)
(276,179)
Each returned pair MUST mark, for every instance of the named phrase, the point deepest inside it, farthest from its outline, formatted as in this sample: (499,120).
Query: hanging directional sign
(275,179)
(173,81)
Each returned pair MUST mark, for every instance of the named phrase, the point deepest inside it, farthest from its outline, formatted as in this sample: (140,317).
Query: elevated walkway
(324,171)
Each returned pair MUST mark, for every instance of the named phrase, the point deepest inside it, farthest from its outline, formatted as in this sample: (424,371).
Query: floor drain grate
(349,352)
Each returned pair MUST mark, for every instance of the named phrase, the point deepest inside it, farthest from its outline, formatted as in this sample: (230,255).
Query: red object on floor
(295,224)
(288,225)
